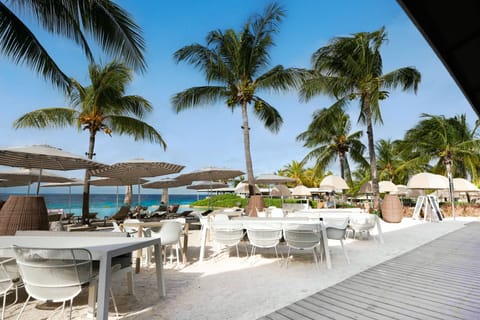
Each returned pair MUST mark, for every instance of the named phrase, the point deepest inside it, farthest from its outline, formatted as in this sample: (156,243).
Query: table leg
(104,279)
(185,242)
(325,247)
(379,229)
(159,269)
(203,242)
(139,251)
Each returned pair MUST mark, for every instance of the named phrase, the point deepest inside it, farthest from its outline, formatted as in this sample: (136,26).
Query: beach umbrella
(280,190)
(137,169)
(207,185)
(210,174)
(463,185)
(165,184)
(242,188)
(426,180)
(337,182)
(44,157)
(383,186)
(272,179)
(25,177)
(301,191)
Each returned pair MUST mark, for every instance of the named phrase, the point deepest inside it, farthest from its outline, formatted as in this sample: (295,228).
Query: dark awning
(453,30)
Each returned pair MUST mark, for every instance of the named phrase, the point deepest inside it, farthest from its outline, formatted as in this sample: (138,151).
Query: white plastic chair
(227,233)
(264,236)
(363,224)
(303,237)
(169,233)
(56,275)
(337,230)
(10,279)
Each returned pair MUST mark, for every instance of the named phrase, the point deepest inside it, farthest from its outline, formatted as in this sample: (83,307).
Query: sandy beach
(227,287)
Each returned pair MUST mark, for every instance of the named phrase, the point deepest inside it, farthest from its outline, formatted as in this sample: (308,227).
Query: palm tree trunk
(248,156)
(86,184)
(341,157)
(371,152)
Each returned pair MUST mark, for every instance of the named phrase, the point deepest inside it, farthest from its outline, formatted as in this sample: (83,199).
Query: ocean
(106,204)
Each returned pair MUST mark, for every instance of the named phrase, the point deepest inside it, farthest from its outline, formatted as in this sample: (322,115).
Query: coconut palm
(351,68)
(235,65)
(448,145)
(100,106)
(111,26)
(329,138)
(390,161)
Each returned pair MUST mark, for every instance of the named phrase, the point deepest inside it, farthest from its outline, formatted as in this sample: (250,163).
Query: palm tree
(328,136)
(295,170)
(390,161)
(236,68)
(101,106)
(112,27)
(448,145)
(351,68)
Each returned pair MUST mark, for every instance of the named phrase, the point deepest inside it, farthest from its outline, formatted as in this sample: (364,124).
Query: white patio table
(103,249)
(326,214)
(246,221)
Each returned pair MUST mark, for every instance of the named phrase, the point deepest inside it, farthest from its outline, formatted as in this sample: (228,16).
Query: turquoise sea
(106,204)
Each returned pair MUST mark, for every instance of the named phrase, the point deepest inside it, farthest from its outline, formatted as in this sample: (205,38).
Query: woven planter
(23,213)
(392,209)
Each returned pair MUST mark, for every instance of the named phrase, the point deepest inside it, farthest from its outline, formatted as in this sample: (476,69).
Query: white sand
(225,287)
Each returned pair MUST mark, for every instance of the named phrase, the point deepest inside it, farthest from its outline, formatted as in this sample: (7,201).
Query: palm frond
(18,43)
(45,118)
(197,96)
(270,116)
(138,129)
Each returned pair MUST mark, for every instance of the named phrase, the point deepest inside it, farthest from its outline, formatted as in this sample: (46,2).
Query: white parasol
(137,169)
(383,186)
(210,174)
(44,157)
(25,177)
(334,181)
(426,180)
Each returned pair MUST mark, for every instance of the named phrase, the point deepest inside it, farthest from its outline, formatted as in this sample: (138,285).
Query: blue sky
(212,136)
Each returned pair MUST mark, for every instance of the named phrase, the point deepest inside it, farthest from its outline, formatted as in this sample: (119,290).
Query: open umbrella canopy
(137,168)
(334,181)
(383,186)
(280,190)
(72,183)
(301,191)
(28,176)
(426,180)
(114,182)
(401,190)
(242,188)
(44,157)
(272,179)
(165,183)
(207,185)
(463,185)
(210,173)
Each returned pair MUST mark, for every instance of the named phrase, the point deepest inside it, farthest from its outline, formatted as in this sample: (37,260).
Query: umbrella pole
(39,179)
(117,197)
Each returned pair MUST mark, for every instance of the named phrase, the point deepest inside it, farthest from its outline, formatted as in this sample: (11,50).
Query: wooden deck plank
(438,280)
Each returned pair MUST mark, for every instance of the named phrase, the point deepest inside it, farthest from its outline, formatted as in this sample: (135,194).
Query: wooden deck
(439,280)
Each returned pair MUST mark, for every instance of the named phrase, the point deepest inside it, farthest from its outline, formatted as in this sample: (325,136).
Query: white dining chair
(10,280)
(264,236)
(303,237)
(56,275)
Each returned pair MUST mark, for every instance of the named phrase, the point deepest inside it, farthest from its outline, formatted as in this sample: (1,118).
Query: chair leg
(4,300)
(114,303)
(344,251)
(23,307)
